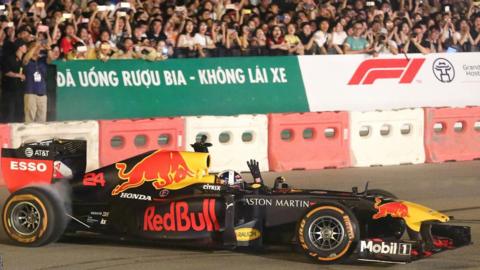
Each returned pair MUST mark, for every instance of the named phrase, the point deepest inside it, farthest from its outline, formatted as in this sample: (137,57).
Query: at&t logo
(28,152)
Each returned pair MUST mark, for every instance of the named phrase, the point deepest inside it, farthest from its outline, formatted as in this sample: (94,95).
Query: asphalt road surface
(452,187)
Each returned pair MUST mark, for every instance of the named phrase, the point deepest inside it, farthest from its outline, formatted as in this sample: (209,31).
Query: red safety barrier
(120,139)
(4,142)
(308,141)
(452,134)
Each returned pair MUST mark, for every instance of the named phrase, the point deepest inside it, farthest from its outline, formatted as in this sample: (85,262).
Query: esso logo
(27,166)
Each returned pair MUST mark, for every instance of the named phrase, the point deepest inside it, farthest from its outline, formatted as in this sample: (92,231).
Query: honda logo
(371,70)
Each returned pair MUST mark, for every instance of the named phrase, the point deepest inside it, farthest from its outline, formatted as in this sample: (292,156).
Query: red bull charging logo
(180,218)
(394,209)
(162,168)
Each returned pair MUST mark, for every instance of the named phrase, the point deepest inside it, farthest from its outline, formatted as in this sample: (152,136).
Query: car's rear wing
(43,162)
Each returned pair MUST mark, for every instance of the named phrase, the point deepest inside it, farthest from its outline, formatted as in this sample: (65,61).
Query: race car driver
(233,179)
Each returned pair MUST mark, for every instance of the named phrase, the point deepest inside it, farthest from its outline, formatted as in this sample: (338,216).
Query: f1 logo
(373,69)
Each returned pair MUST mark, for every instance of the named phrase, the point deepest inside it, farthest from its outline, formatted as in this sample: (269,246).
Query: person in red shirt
(69,38)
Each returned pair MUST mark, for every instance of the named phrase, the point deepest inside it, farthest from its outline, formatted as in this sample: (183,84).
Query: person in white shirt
(384,45)
(186,43)
(203,41)
(322,36)
(338,38)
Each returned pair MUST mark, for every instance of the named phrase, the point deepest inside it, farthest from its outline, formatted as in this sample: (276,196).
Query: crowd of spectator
(35,32)
(158,29)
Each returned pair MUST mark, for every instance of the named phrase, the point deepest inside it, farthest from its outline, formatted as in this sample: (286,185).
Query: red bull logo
(163,168)
(394,209)
(180,219)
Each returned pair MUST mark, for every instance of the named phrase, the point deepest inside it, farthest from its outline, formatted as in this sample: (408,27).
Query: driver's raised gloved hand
(255,171)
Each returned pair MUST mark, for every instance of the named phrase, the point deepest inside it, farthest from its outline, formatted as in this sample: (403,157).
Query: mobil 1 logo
(395,251)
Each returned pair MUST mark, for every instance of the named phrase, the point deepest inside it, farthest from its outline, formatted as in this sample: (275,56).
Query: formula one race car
(170,196)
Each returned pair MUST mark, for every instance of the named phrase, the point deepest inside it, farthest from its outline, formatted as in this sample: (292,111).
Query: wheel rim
(25,218)
(326,233)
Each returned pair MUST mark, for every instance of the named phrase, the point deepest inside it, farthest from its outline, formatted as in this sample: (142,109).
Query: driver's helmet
(231,178)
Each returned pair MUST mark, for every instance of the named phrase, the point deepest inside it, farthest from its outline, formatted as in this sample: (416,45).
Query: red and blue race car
(170,196)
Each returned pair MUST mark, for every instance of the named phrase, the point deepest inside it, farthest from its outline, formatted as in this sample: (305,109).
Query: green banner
(177,87)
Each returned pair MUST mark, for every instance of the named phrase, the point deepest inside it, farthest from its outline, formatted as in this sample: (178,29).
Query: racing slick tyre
(34,217)
(381,192)
(328,233)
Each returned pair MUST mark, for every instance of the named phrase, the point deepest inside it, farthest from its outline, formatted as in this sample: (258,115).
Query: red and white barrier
(452,134)
(235,139)
(4,142)
(387,137)
(280,142)
(121,139)
(308,141)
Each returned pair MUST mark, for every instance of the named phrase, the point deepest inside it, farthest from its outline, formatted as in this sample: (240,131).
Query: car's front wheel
(328,233)
(34,217)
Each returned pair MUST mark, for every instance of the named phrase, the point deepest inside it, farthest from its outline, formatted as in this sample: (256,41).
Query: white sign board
(362,82)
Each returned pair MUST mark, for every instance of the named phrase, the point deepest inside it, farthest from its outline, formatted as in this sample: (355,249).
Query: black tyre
(328,233)
(34,217)
(382,193)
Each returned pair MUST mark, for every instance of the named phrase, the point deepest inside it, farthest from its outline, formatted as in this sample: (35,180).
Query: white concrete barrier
(235,139)
(387,137)
(34,132)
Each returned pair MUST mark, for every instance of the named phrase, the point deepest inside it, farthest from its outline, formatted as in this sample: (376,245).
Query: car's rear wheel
(34,217)
(328,233)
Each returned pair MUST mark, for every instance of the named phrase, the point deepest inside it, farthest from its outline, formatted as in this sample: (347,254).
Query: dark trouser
(12,106)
